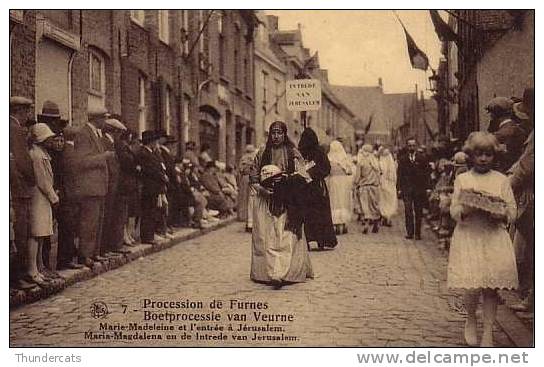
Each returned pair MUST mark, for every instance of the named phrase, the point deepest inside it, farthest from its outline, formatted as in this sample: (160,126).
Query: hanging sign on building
(303,94)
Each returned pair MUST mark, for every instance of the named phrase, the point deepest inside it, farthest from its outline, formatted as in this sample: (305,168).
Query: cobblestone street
(378,290)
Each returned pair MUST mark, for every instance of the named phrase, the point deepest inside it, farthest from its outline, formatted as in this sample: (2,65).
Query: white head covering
(40,132)
(338,155)
(388,166)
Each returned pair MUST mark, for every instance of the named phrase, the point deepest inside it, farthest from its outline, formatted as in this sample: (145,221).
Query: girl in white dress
(481,258)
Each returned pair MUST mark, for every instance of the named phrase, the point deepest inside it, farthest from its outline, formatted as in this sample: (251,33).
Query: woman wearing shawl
(279,254)
(339,185)
(246,195)
(318,224)
(388,186)
(367,182)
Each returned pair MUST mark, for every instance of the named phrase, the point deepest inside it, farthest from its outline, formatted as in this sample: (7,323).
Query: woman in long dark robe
(279,254)
(318,224)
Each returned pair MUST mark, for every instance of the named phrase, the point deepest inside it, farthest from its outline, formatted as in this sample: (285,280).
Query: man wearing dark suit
(414,180)
(112,235)
(68,211)
(154,181)
(91,183)
(21,182)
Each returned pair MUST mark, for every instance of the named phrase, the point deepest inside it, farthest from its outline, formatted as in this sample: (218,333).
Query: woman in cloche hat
(44,197)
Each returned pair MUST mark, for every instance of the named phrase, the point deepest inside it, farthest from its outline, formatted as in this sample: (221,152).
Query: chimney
(272,23)
(380,83)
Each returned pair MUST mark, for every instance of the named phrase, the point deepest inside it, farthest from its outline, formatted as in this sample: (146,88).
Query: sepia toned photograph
(271,178)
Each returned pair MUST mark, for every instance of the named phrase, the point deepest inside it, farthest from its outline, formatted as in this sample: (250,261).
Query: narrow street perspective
(376,291)
(272,178)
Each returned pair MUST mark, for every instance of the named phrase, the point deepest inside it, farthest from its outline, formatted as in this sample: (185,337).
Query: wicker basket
(483,201)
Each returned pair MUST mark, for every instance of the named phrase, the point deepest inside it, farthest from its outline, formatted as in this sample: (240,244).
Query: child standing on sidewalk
(482,259)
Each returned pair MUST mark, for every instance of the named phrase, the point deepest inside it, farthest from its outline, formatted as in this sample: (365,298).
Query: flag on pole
(431,133)
(369,124)
(418,59)
(442,29)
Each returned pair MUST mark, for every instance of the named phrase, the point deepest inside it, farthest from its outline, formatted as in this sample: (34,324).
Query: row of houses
(215,77)
(185,72)
(492,55)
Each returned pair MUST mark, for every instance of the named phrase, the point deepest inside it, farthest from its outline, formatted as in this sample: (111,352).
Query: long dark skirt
(318,224)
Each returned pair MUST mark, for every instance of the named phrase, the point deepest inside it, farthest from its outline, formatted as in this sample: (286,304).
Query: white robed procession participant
(340,182)
(279,252)
(388,186)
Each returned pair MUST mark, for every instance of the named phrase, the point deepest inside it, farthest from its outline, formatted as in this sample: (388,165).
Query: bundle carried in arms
(483,201)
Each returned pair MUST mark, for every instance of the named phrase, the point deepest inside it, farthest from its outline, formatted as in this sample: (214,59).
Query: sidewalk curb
(19,298)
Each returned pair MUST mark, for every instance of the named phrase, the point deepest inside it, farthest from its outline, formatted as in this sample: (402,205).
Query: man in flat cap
(91,183)
(21,182)
(509,134)
(112,234)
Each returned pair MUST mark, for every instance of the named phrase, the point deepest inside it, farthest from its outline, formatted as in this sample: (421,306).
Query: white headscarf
(338,155)
(388,166)
(366,153)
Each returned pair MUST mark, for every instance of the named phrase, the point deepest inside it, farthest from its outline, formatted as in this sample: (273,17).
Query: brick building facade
(173,70)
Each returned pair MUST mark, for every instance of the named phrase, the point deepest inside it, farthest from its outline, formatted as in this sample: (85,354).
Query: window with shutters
(97,73)
(97,80)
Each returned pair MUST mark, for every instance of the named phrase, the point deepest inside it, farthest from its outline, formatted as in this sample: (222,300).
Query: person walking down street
(339,184)
(246,195)
(413,180)
(482,258)
(367,184)
(318,224)
(388,186)
(278,252)
(154,181)
(21,183)
(44,197)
